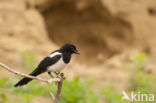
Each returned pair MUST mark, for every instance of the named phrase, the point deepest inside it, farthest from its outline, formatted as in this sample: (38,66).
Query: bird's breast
(58,66)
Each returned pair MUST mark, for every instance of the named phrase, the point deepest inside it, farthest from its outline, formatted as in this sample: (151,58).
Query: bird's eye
(71,48)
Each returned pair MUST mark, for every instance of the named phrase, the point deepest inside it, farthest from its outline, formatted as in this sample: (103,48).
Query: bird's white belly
(57,67)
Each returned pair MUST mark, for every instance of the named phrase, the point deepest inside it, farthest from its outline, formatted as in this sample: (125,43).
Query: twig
(52,96)
(60,83)
(59,87)
(59,79)
(28,76)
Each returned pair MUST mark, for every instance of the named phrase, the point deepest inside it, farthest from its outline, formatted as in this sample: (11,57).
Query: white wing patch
(54,54)
(59,65)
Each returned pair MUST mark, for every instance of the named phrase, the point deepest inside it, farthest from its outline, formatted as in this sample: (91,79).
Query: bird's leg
(50,74)
(57,73)
(61,76)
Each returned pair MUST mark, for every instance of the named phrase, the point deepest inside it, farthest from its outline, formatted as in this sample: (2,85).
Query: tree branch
(60,78)
(60,83)
(59,87)
(29,76)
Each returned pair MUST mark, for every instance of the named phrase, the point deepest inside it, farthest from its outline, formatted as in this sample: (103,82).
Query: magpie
(55,62)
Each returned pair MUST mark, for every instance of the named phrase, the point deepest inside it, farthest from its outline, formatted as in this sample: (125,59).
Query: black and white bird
(55,62)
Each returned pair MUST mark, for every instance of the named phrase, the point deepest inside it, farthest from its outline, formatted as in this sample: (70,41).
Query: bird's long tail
(25,81)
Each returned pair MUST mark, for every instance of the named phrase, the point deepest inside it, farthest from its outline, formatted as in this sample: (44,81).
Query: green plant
(77,91)
(110,95)
(140,81)
(92,97)
(4,97)
(140,60)
(143,83)
(28,98)
(74,91)
(3,82)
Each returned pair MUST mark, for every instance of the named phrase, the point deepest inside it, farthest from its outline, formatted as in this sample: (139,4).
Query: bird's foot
(61,76)
(50,75)
(57,73)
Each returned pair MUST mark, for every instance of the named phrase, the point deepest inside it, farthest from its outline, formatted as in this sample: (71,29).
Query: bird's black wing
(42,67)
(48,61)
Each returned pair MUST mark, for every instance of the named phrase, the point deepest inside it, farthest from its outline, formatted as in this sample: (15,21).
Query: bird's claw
(57,73)
(61,76)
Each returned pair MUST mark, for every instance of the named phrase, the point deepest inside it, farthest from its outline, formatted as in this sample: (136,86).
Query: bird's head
(69,48)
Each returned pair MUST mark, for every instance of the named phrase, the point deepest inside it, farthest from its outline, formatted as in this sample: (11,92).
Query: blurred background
(116,39)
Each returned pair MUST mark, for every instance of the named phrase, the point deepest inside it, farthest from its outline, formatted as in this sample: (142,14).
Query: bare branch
(52,96)
(28,76)
(59,87)
(60,83)
(60,78)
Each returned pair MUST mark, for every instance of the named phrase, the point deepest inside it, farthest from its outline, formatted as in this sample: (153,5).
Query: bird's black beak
(76,52)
